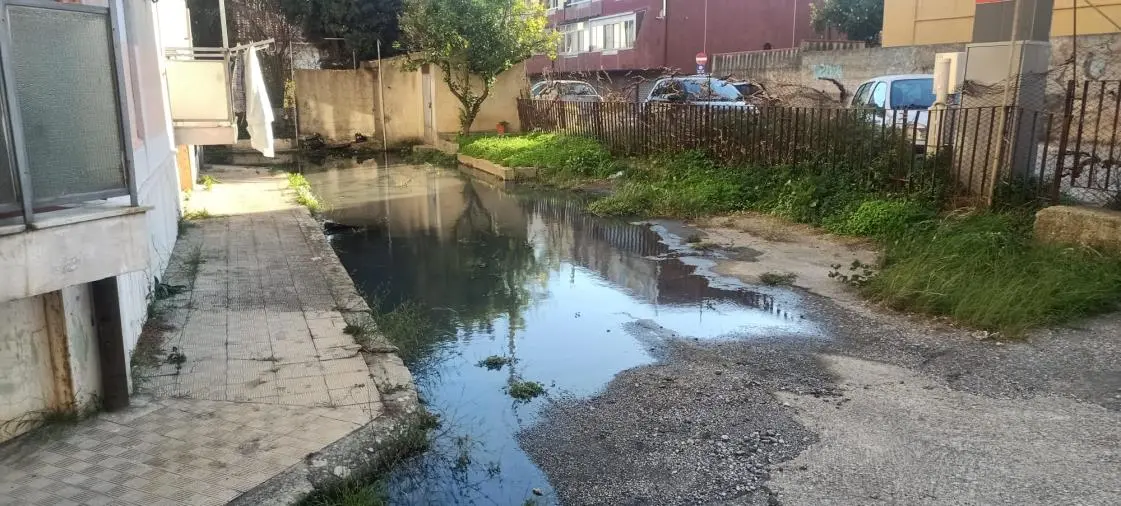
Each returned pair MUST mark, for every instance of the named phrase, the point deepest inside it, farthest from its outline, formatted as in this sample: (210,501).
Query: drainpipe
(665,33)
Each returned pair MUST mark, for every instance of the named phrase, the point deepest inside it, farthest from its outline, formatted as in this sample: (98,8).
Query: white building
(89,195)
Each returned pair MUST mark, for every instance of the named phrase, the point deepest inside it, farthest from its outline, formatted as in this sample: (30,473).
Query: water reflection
(521,275)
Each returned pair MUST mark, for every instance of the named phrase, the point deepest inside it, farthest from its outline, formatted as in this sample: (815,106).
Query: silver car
(565,91)
(696,90)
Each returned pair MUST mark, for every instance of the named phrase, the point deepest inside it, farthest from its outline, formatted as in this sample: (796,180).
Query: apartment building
(652,36)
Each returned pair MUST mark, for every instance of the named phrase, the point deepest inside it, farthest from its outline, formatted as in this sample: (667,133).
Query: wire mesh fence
(969,154)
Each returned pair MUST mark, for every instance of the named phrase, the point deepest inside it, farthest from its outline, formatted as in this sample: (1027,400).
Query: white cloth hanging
(258,110)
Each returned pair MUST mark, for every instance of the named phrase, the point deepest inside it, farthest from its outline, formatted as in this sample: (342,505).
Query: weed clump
(494,362)
(524,391)
(778,278)
(299,184)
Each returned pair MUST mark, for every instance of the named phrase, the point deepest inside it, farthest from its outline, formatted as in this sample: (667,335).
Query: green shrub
(879,218)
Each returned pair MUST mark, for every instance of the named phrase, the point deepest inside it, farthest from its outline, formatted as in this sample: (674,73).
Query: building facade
(667,35)
(923,22)
(92,162)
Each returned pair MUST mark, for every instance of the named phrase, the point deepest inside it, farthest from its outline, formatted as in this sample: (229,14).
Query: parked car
(697,90)
(568,91)
(902,100)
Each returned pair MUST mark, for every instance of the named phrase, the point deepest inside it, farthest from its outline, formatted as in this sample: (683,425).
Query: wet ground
(571,299)
(667,383)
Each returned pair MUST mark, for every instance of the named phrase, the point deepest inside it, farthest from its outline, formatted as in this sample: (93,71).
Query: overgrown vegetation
(561,159)
(985,270)
(299,184)
(981,269)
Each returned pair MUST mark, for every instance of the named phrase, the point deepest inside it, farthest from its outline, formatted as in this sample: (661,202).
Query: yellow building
(921,22)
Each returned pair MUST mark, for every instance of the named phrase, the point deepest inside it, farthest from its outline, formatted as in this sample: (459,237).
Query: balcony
(201,96)
(68,200)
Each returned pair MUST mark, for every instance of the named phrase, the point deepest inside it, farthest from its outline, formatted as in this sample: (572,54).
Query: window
(71,144)
(879,96)
(912,94)
(862,93)
(554,4)
(604,34)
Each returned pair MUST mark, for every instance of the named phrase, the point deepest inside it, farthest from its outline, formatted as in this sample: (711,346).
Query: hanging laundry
(258,110)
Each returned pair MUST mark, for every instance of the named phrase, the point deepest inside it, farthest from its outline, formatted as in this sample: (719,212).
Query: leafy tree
(860,19)
(360,23)
(473,41)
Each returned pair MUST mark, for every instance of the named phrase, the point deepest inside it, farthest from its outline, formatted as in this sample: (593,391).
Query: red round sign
(702,59)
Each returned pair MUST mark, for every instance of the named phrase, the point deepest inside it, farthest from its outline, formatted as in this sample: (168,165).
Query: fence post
(1064,140)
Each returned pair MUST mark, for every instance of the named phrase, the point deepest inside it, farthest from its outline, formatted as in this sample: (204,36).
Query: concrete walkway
(248,369)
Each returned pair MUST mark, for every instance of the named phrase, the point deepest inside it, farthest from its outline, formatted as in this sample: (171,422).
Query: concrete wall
(26,385)
(801,77)
(337,103)
(921,22)
(154,152)
(501,106)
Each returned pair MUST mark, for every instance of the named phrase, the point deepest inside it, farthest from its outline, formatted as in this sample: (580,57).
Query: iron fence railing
(64,137)
(967,151)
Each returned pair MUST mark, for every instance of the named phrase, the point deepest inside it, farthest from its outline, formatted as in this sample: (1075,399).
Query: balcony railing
(200,95)
(64,138)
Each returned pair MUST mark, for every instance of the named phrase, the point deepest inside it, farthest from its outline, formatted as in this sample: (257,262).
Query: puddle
(571,299)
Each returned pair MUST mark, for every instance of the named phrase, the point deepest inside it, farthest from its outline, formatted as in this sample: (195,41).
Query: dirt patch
(777,246)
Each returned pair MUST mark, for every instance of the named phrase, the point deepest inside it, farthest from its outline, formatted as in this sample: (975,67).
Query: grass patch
(523,390)
(197,214)
(47,423)
(562,159)
(984,270)
(299,184)
(778,278)
(494,362)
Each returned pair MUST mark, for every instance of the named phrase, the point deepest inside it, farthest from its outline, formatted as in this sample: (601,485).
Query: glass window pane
(65,84)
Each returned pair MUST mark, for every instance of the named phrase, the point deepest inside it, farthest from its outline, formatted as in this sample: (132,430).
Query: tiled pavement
(268,377)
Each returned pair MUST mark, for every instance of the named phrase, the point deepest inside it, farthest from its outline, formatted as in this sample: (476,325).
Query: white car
(903,100)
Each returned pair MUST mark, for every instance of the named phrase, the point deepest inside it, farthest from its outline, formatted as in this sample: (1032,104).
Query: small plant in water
(693,239)
(525,390)
(777,278)
(859,274)
(494,362)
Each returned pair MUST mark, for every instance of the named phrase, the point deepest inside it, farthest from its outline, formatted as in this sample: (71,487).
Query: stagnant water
(526,276)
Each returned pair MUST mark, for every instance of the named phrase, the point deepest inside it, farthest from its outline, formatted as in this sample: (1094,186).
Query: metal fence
(1089,157)
(965,151)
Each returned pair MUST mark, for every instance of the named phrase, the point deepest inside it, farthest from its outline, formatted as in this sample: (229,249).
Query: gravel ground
(889,409)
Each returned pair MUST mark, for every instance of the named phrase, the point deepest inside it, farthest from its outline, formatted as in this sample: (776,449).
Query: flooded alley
(569,299)
(579,360)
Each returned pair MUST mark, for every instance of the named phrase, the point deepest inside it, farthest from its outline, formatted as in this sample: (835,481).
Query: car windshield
(576,89)
(912,93)
(711,90)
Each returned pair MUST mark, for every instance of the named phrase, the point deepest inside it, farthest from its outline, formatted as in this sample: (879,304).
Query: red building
(666,35)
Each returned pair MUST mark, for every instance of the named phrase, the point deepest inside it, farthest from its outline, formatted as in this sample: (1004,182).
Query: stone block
(1093,227)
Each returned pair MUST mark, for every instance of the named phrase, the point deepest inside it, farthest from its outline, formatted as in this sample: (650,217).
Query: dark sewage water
(526,276)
